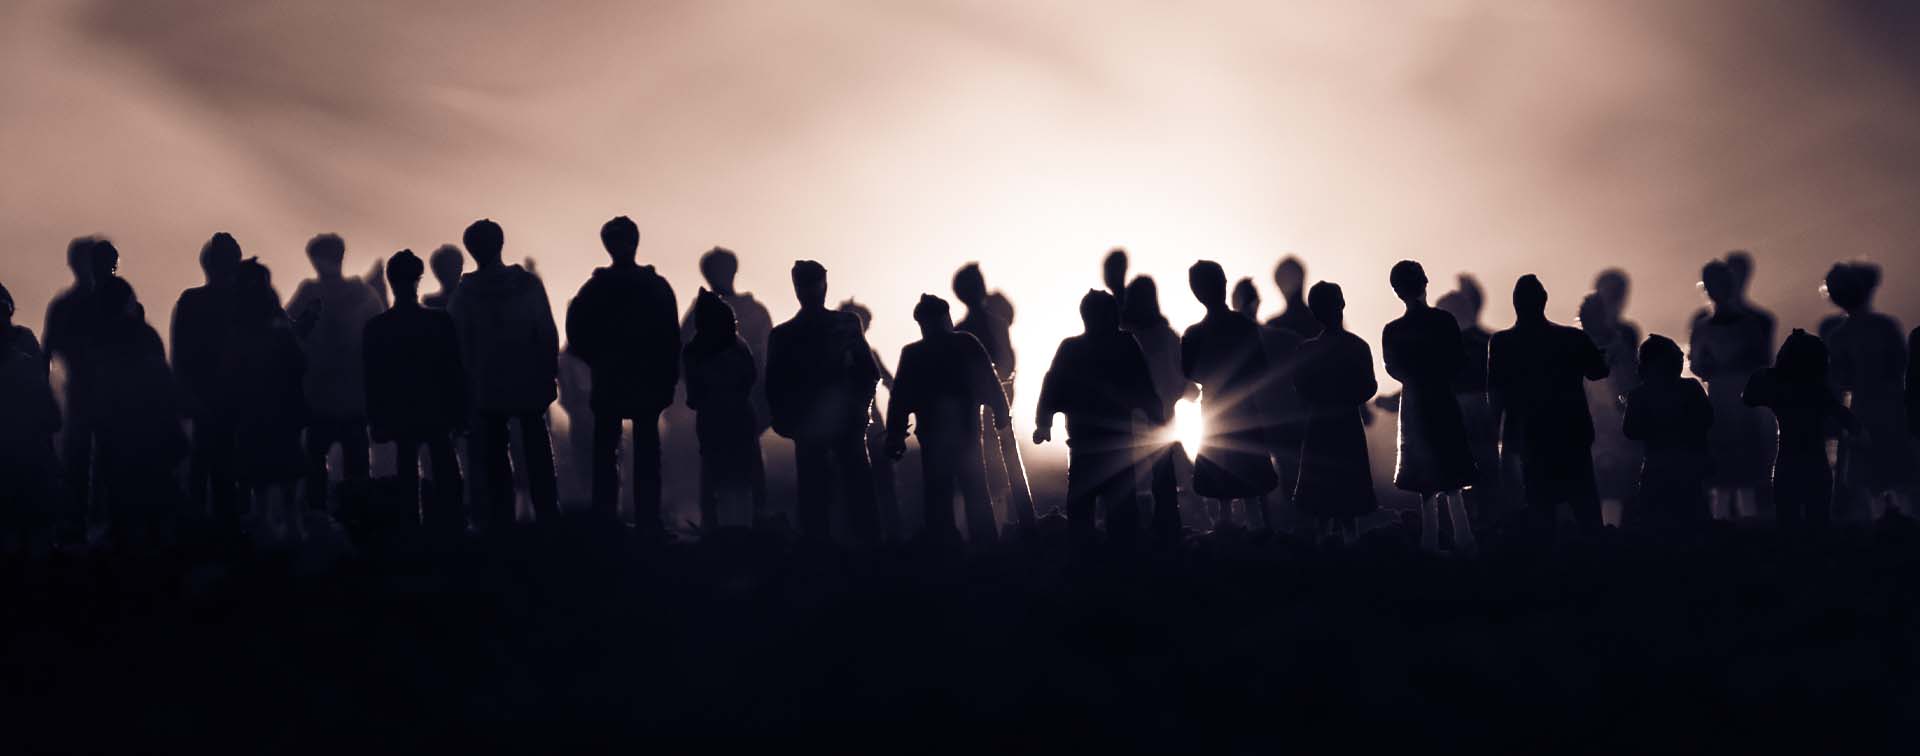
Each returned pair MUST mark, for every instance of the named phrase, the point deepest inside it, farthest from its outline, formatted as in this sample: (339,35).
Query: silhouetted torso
(1423,350)
(201,321)
(1725,350)
(1869,363)
(262,397)
(1539,370)
(754,325)
(1223,353)
(994,333)
(622,324)
(1296,319)
(820,374)
(1335,379)
(720,380)
(508,341)
(1161,348)
(943,382)
(416,387)
(1808,415)
(336,379)
(1616,459)
(27,403)
(69,327)
(1672,419)
(1099,381)
(135,408)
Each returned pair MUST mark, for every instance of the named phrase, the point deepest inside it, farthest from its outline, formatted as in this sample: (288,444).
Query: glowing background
(895,140)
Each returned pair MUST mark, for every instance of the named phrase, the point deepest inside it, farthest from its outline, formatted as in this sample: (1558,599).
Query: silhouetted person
(1285,416)
(1113,273)
(417,393)
(511,351)
(885,490)
(1224,355)
(1335,380)
(719,266)
(624,325)
(262,394)
(1797,391)
(1141,316)
(721,376)
(69,327)
(1470,392)
(201,321)
(1671,418)
(334,310)
(1291,277)
(1616,459)
(820,379)
(1869,363)
(990,319)
(136,415)
(1729,342)
(1913,383)
(946,380)
(1535,378)
(1099,379)
(447,263)
(28,468)
(1423,351)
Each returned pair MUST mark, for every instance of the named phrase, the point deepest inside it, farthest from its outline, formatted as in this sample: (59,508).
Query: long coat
(1335,380)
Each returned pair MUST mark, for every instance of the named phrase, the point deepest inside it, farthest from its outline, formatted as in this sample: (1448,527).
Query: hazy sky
(894,141)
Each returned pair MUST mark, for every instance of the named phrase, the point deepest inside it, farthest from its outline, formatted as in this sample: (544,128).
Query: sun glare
(1189,425)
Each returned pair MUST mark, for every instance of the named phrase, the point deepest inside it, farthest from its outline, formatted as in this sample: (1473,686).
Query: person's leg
(811,459)
(1746,504)
(543,483)
(322,433)
(356,450)
(856,484)
(1464,541)
(76,452)
(937,473)
(886,499)
(1166,497)
(443,510)
(971,474)
(993,464)
(646,474)
(406,474)
(1430,523)
(199,476)
(606,466)
(490,445)
(1583,493)
(1082,491)
(1123,507)
(225,490)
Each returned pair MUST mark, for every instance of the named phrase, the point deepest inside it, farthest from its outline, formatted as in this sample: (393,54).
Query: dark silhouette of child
(136,414)
(1099,379)
(511,349)
(885,490)
(1223,354)
(202,319)
(417,393)
(262,395)
(1729,341)
(28,467)
(1335,380)
(1464,303)
(720,266)
(1869,363)
(1616,459)
(946,380)
(1140,315)
(69,328)
(1536,372)
(721,375)
(624,324)
(1796,388)
(990,319)
(820,379)
(447,263)
(1423,351)
(1291,277)
(1671,418)
(334,310)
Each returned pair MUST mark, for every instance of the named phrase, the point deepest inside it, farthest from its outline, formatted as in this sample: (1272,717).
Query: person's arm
(1593,361)
(546,334)
(1049,402)
(579,334)
(1497,378)
(986,383)
(1391,357)
(900,404)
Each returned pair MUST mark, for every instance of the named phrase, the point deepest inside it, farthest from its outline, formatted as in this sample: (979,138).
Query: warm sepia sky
(894,140)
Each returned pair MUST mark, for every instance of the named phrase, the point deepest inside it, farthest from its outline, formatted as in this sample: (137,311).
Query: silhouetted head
(718,266)
(1660,359)
(6,307)
(1113,270)
(484,240)
(1612,285)
(713,318)
(114,296)
(327,252)
(1141,307)
(1409,281)
(1246,299)
(1099,312)
(969,286)
(1740,264)
(621,238)
(1208,282)
(1328,305)
(219,256)
(933,315)
(858,310)
(1464,302)
(1717,280)
(254,297)
(1851,285)
(80,259)
(1802,360)
(1291,276)
(103,259)
(447,264)
(1529,298)
(404,270)
(810,283)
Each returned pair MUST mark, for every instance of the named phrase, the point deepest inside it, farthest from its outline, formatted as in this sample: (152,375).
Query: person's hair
(1099,311)
(404,270)
(1740,266)
(329,247)
(1142,304)
(1207,281)
(1802,360)
(969,285)
(1244,291)
(719,262)
(1850,285)
(1114,265)
(103,258)
(1289,267)
(220,254)
(253,287)
(1611,283)
(620,236)
(80,253)
(712,316)
(864,313)
(1327,303)
(809,274)
(484,239)
(931,309)
(1529,296)
(1407,277)
(1660,358)
(447,262)
(6,301)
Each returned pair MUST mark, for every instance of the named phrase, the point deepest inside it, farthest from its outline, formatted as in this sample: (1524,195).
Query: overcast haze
(894,141)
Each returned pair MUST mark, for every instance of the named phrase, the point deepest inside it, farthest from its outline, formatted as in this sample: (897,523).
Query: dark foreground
(566,639)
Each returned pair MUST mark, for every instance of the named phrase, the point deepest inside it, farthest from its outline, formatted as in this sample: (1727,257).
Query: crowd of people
(239,426)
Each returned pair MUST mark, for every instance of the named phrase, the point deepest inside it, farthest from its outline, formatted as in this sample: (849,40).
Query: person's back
(335,382)
(1671,418)
(622,324)
(944,380)
(416,386)
(1796,389)
(508,339)
(1540,369)
(1099,380)
(820,374)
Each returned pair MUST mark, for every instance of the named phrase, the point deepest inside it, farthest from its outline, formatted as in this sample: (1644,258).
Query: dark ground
(567,638)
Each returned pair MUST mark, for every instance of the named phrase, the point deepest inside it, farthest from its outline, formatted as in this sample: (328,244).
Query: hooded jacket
(508,341)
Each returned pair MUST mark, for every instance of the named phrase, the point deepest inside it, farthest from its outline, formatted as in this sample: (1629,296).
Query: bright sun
(1189,425)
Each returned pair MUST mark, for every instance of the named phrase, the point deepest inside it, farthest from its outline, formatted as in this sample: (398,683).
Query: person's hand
(1042,434)
(896,449)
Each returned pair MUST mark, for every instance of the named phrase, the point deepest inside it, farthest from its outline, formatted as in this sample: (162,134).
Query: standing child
(1809,413)
(1671,417)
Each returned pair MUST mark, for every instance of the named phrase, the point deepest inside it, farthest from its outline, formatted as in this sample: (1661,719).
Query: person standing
(990,319)
(1672,418)
(1099,379)
(1140,315)
(624,325)
(1335,380)
(720,377)
(28,466)
(1796,388)
(333,311)
(820,379)
(511,350)
(136,414)
(417,394)
(1869,364)
(1616,459)
(885,490)
(946,381)
(1470,392)
(1536,373)
(1423,351)
(69,328)
(447,264)
(1224,355)
(202,320)
(1729,342)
